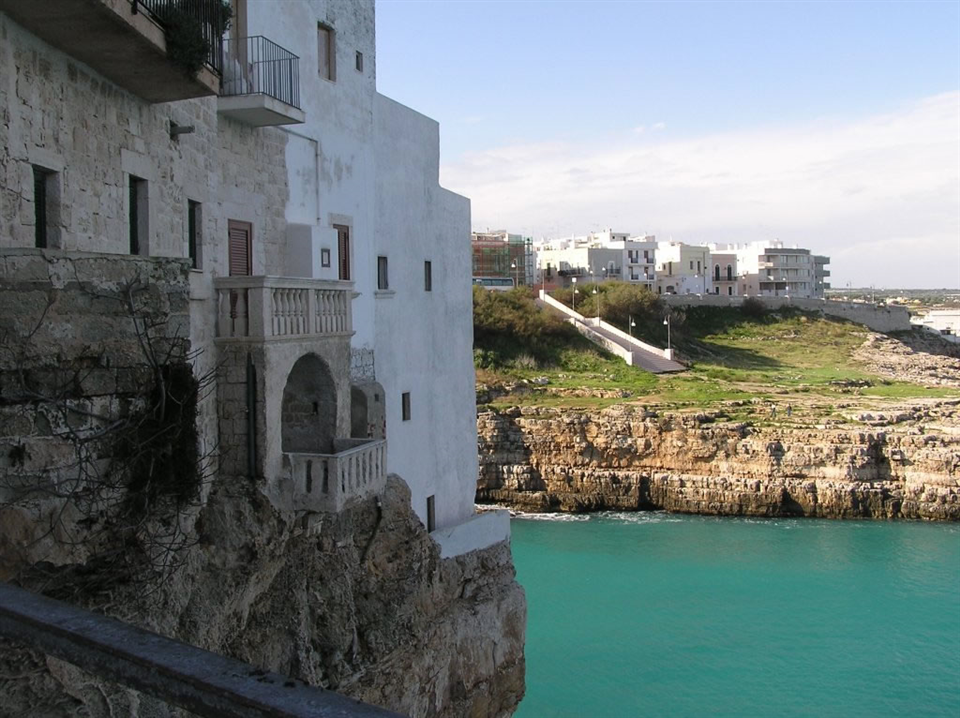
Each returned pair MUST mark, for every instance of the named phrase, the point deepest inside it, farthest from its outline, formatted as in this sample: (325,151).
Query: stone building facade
(316,275)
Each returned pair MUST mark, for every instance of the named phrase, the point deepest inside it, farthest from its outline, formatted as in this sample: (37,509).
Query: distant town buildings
(501,259)
(767,268)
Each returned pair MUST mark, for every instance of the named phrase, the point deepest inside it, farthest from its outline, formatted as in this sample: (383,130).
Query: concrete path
(641,358)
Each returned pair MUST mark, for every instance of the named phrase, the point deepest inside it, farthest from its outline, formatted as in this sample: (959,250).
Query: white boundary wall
(579,318)
(879,317)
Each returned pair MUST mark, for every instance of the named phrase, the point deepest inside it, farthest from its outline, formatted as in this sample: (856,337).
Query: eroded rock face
(360,603)
(627,458)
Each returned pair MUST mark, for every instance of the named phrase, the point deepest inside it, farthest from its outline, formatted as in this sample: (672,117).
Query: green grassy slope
(733,355)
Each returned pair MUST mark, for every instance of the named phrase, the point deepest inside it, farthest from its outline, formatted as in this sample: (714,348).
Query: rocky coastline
(902,463)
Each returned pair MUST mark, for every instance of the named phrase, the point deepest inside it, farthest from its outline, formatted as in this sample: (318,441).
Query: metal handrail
(255,65)
(209,14)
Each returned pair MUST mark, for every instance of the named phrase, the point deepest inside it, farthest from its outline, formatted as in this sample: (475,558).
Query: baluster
(285,311)
(318,311)
(240,323)
(224,320)
(324,312)
(302,299)
(275,312)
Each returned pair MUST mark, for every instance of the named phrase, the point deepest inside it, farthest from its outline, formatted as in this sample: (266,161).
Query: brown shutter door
(239,248)
(343,250)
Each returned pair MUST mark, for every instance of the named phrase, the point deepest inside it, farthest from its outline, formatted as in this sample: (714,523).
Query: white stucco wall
(424,339)
(369,163)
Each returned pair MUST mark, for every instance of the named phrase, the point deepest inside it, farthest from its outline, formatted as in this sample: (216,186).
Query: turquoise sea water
(652,614)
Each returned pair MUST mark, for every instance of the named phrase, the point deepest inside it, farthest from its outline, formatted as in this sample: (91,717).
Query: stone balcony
(124,41)
(326,482)
(263,308)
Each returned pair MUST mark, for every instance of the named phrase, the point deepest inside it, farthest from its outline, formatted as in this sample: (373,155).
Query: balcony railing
(207,14)
(326,482)
(263,308)
(255,65)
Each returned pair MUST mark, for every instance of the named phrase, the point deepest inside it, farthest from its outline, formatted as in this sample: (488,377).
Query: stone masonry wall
(57,114)
(879,318)
(72,362)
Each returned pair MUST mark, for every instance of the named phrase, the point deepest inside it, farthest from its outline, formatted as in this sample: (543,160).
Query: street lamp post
(513,266)
(667,324)
(632,325)
(574,295)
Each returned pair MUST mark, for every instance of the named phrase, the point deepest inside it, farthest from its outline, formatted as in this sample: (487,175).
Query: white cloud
(881,195)
(658,126)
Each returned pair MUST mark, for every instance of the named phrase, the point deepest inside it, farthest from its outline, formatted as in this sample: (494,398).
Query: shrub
(509,329)
(753,308)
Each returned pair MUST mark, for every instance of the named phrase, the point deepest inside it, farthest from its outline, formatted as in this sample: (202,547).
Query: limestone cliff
(628,457)
(362,604)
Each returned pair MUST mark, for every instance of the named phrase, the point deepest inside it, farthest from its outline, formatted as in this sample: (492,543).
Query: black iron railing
(211,19)
(255,65)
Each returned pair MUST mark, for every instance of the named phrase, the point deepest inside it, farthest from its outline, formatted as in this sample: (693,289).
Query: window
(194,224)
(138,214)
(343,250)
(431,513)
(691,264)
(427,277)
(383,279)
(326,52)
(45,191)
(359,61)
(405,405)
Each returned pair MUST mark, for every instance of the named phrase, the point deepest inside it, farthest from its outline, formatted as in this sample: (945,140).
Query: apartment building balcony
(261,83)
(263,309)
(126,41)
(823,272)
(327,482)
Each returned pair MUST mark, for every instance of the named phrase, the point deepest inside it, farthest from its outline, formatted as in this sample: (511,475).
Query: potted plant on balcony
(190,28)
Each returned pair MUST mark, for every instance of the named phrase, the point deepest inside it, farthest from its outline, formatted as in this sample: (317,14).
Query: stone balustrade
(326,482)
(263,307)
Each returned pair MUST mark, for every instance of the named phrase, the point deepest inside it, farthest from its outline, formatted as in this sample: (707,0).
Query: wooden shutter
(239,248)
(343,250)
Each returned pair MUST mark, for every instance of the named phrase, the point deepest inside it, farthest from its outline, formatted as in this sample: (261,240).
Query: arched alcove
(308,419)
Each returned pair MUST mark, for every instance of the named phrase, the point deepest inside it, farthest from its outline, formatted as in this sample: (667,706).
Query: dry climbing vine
(124,475)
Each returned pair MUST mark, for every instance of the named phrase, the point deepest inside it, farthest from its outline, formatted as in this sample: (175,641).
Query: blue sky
(832,125)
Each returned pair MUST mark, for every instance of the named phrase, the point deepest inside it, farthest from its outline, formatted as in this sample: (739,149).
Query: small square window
(383,279)
(405,405)
(427,277)
(359,61)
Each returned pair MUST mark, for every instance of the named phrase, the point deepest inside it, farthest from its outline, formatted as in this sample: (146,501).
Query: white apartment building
(683,268)
(325,254)
(596,257)
(771,269)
